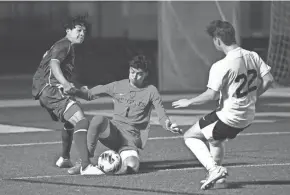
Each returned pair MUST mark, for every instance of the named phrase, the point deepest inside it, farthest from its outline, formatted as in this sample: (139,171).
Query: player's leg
(99,128)
(217,135)
(130,161)
(220,134)
(67,138)
(55,102)
(195,140)
(75,116)
(125,143)
(217,151)
(129,151)
(66,109)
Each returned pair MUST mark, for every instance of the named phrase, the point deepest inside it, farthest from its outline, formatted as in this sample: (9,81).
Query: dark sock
(97,125)
(80,138)
(67,138)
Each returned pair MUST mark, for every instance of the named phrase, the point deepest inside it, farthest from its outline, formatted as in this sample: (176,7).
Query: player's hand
(83,93)
(69,89)
(173,127)
(84,89)
(181,103)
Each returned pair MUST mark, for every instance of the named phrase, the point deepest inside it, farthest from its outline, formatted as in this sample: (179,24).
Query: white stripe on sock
(79,130)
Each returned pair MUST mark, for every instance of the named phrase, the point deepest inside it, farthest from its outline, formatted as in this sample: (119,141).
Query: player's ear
(219,42)
(67,30)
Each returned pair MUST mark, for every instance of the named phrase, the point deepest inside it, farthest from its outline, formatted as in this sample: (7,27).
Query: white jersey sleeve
(216,77)
(262,67)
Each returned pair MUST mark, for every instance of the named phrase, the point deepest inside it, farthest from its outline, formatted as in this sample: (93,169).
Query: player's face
(137,76)
(77,34)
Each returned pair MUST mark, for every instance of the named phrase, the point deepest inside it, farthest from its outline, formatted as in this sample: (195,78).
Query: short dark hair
(71,22)
(140,62)
(223,30)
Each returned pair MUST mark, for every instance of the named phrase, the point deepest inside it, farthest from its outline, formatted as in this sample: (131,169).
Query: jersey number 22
(246,85)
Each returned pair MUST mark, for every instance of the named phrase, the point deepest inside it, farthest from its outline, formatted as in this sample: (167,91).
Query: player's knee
(186,140)
(191,132)
(131,164)
(68,126)
(194,132)
(82,124)
(187,137)
(74,114)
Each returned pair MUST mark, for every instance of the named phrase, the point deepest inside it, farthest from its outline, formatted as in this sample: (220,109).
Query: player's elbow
(267,81)
(212,94)
(54,64)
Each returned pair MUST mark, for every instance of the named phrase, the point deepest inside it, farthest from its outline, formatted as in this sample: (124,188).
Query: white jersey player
(238,79)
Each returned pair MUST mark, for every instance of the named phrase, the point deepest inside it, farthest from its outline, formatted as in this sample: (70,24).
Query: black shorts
(220,130)
(55,102)
(120,139)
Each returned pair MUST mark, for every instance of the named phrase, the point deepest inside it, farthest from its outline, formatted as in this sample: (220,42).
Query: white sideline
(284,92)
(188,112)
(150,139)
(189,117)
(164,170)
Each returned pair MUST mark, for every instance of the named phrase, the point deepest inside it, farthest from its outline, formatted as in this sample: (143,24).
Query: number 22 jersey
(237,77)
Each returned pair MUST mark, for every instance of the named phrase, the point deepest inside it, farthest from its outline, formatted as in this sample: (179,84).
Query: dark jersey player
(127,131)
(52,86)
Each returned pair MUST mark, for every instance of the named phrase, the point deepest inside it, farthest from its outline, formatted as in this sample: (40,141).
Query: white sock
(218,153)
(200,150)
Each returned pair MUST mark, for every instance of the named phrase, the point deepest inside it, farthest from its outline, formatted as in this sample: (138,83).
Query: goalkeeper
(128,131)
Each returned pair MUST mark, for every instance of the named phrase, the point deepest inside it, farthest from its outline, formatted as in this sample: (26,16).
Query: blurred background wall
(121,29)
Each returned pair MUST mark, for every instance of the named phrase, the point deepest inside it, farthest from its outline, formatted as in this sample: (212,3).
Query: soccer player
(128,131)
(239,78)
(52,86)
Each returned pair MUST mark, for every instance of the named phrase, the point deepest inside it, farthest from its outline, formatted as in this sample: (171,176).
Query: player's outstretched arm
(203,98)
(163,118)
(90,94)
(96,92)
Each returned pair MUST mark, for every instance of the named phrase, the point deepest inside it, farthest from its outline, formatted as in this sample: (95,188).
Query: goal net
(279,43)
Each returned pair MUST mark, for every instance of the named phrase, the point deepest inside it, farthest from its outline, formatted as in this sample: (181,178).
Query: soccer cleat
(91,170)
(76,169)
(214,175)
(63,163)
(220,181)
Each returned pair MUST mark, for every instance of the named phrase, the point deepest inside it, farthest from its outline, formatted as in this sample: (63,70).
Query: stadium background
(172,34)
(258,159)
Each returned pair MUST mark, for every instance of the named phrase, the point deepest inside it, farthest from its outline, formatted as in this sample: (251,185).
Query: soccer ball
(109,162)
